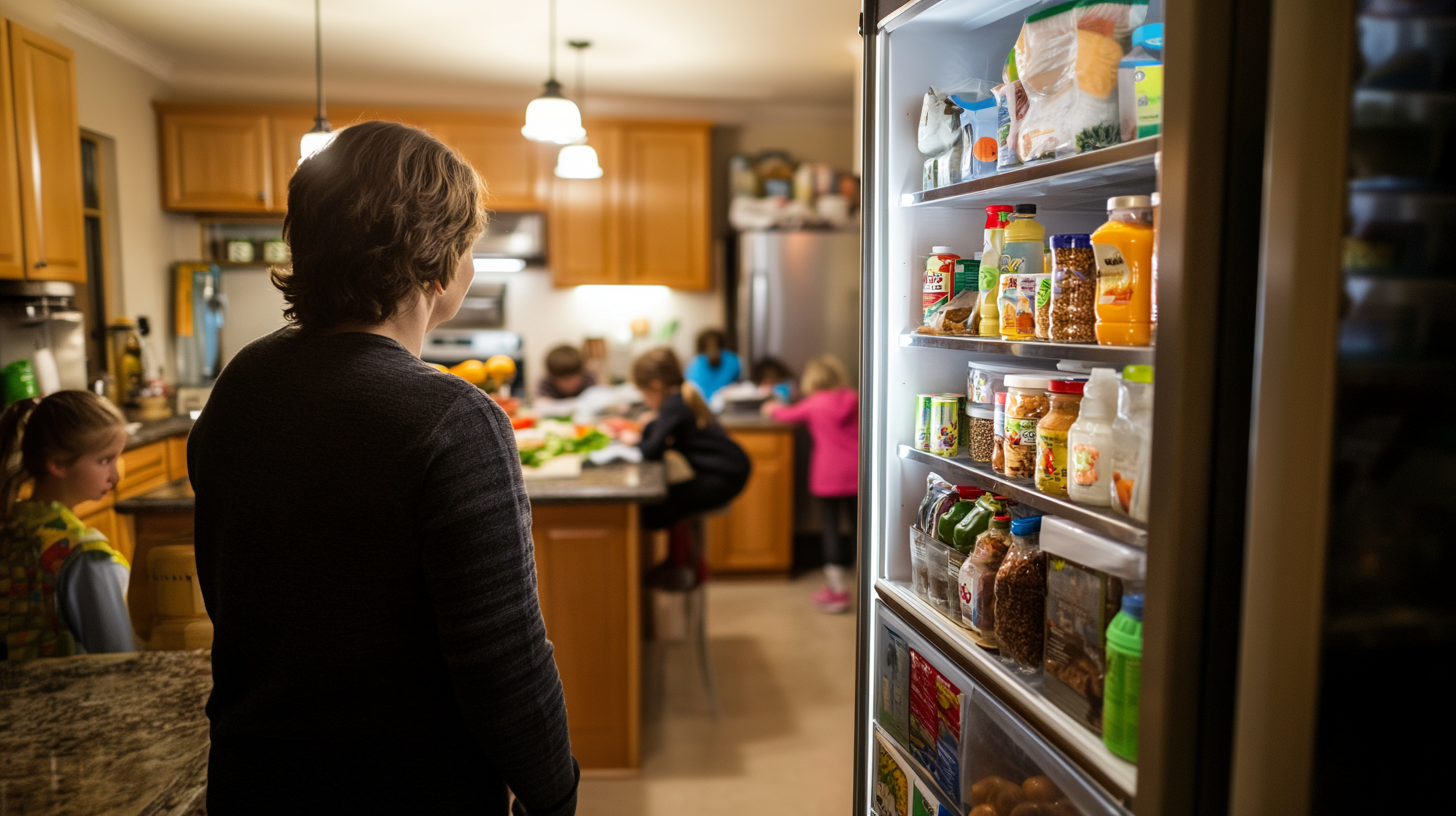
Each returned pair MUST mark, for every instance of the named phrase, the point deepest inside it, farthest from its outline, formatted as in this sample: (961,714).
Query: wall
(114,99)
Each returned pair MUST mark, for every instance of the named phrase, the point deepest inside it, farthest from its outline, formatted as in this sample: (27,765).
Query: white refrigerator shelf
(1081,182)
(1082,352)
(1102,520)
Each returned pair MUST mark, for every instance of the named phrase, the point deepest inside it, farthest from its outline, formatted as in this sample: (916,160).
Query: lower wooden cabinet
(757,532)
(588,575)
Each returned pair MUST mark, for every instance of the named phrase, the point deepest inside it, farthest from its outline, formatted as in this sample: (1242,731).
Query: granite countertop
(644,483)
(744,421)
(114,734)
(157,430)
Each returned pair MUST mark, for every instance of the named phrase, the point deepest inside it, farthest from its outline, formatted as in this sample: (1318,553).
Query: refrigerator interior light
(499,264)
(578,161)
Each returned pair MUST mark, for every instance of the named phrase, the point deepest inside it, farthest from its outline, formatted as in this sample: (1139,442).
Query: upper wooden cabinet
(12,242)
(286,136)
(665,213)
(514,168)
(48,146)
(216,162)
(585,218)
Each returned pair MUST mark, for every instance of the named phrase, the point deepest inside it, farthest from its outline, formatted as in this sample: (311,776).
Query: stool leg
(705,666)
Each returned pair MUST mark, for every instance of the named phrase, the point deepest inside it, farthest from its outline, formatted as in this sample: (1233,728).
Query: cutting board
(565,466)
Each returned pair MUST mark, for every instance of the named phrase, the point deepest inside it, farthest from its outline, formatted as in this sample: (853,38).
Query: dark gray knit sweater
(364,546)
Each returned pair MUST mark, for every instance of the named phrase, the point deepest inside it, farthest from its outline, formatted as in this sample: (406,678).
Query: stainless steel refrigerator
(798,296)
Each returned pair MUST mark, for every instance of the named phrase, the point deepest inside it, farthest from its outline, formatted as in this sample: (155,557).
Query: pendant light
(318,138)
(552,117)
(579,161)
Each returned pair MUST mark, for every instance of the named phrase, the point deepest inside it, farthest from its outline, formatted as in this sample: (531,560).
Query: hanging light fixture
(552,117)
(579,161)
(318,138)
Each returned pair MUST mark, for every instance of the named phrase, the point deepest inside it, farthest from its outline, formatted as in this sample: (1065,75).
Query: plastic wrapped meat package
(1067,58)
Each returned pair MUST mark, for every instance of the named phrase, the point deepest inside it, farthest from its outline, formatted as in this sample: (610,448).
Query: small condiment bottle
(1051,436)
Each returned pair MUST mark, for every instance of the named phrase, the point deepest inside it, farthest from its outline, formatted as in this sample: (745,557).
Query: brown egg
(1033,809)
(983,810)
(1062,807)
(1040,789)
(984,792)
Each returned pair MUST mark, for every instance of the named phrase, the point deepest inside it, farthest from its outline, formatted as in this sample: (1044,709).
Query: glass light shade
(499,264)
(312,142)
(552,117)
(578,161)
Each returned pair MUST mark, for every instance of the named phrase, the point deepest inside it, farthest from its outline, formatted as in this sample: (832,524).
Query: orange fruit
(438,367)
(472,371)
(985,149)
(501,368)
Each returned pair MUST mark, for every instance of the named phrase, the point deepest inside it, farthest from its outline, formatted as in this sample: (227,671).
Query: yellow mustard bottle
(1124,250)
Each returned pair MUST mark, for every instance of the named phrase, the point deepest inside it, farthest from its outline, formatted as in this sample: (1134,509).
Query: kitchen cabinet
(12,242)
(142,469)
(589,582)
(285,134)
(517,171)
(585,220)
(756,534)
(47,144)
(665,207)
(176,457)
(216,162)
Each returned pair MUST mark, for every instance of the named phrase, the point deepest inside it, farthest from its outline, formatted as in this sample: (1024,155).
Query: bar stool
(181,621)
(690,578)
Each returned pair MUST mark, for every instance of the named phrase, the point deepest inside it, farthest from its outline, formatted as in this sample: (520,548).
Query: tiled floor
(784,741)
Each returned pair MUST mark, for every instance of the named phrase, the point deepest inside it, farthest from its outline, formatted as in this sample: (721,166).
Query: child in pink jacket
(830,409)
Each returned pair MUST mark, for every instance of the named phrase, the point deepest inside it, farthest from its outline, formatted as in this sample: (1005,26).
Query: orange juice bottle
(1124,250)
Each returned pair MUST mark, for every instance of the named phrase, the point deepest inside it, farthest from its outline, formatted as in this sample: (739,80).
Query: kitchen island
(114,734)
(588,544)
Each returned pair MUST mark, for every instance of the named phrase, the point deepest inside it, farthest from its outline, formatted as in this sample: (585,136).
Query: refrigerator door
(798,296)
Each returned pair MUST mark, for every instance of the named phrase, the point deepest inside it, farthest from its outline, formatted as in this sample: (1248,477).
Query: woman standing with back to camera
(363,532)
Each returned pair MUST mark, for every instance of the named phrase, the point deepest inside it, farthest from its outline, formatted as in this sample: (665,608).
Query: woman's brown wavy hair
(381,213)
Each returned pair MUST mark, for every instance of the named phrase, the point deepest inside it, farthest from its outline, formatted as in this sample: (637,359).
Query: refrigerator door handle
(758,342)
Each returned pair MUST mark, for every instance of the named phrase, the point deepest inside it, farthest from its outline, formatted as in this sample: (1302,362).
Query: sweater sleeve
(799,412)
(90,594)
(480,571)
(660,433)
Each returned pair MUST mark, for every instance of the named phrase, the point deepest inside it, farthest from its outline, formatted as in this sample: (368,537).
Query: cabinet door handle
(42,264)
(262,196)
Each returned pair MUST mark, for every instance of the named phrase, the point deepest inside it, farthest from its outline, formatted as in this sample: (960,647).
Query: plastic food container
(1074,289)
(1026,404)
(981,435)
(983,383)
(998,453)
(1021,597)
(1065,397)
(1085,572)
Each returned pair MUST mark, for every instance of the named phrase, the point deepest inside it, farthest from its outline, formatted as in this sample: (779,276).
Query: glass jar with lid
(1065,399)
(978,579)
(1026,404)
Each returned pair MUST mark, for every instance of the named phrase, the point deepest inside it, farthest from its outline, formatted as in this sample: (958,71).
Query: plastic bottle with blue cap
(1140,84)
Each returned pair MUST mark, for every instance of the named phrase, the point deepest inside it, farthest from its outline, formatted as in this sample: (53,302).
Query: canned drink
(965,427)
(922,421)
(945,425)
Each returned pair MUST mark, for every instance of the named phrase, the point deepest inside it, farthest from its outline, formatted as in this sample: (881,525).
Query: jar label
(1084,464)
(1114,278)
(1051,462)
(1021,432)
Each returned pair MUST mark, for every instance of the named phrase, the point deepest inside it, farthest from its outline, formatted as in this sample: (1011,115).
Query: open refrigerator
(939,711)
(1298,525)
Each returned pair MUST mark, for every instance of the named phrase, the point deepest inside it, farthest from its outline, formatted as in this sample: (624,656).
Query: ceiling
(431,51)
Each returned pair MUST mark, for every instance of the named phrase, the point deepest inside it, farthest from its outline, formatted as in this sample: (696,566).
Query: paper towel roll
(47,376)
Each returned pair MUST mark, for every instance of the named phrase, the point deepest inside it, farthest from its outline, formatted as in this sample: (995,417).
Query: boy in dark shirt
(566,374)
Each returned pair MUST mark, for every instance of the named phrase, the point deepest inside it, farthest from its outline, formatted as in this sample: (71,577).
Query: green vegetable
(950,518)
(557,444)
(1097,137)
(963,538)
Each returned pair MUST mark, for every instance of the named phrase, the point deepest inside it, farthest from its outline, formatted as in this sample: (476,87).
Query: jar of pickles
(1065,399)
(978,578)
(1026,404)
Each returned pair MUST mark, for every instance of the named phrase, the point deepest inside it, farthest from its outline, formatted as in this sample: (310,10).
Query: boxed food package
(979,127)
(899,790)
(1067,58)
(1085,572)
(948,701)
(894,691)
(924,712)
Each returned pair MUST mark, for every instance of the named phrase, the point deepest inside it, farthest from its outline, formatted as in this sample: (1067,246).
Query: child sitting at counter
(684,424)
(830,409)
(71,597)
(566,374)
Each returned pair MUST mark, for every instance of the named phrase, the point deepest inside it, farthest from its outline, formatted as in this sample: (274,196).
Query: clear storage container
(1021,597)
(1026,404)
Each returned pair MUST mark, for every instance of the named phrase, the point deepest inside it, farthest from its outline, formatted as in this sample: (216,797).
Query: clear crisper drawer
(967,745)
(1005,763)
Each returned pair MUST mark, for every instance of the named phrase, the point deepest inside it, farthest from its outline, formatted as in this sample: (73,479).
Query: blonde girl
(830,410)
(63,590)
(684,423)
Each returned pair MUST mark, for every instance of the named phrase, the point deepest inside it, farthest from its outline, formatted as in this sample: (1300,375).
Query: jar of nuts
(1026,404)
(982,433)
(1021,597)
(1074,290)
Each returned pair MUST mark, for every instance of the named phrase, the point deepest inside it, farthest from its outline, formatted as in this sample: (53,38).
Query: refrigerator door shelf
(1082,352)
(1081,182)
